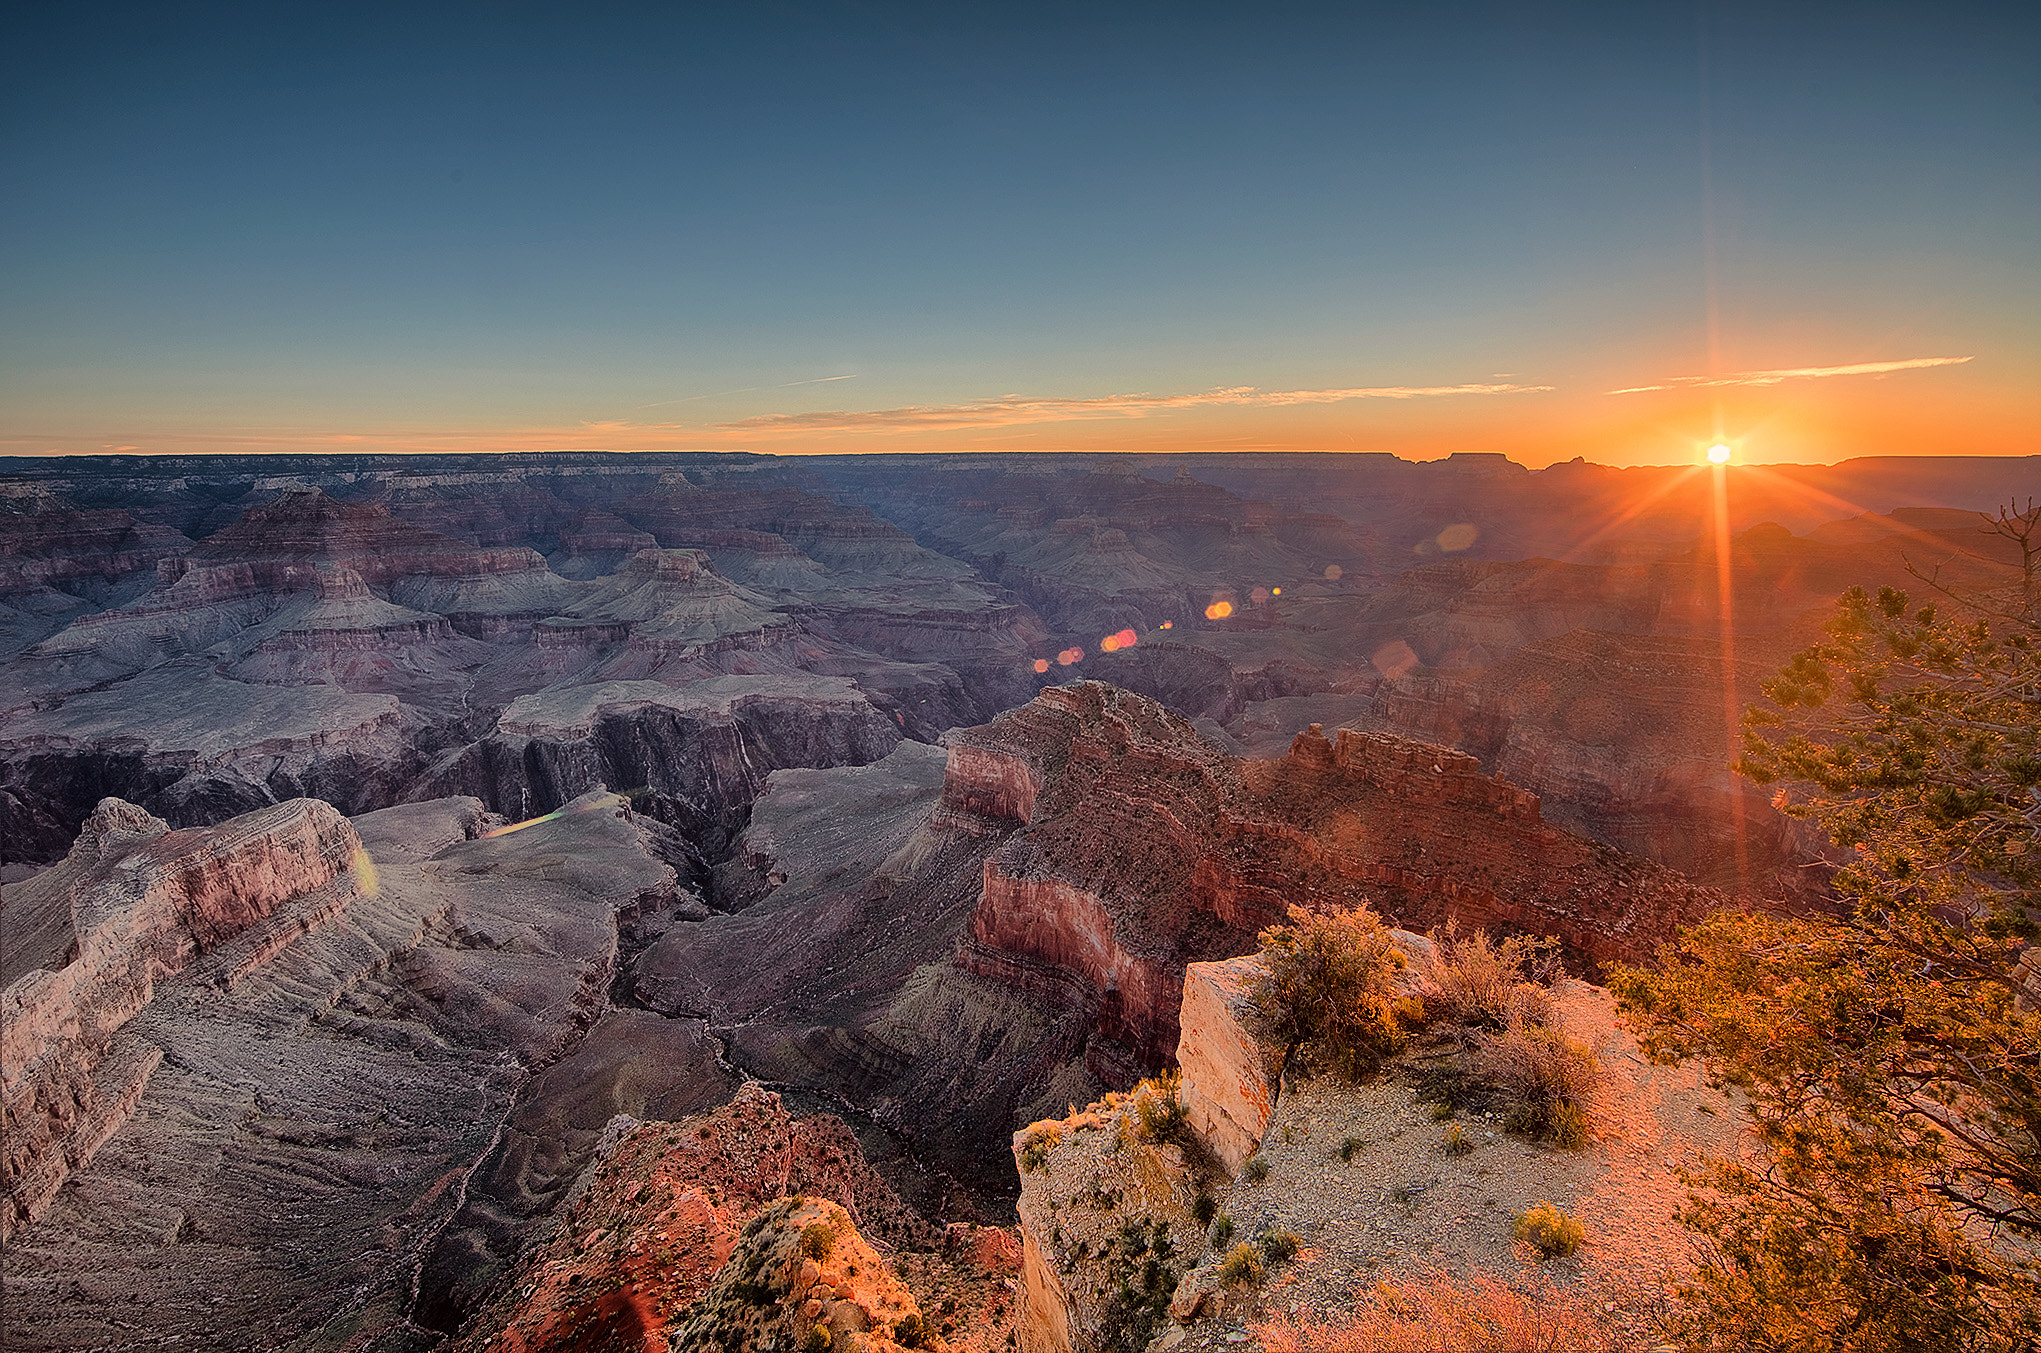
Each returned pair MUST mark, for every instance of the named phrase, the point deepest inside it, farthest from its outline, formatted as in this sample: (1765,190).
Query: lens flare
(1719,454)
(1168,624)
(1041,664)
(1333,573)
(1219,610)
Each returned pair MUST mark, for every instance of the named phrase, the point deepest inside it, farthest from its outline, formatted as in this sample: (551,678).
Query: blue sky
(659,225)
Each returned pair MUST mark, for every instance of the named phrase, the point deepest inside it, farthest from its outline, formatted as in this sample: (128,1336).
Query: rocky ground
(1360,1175)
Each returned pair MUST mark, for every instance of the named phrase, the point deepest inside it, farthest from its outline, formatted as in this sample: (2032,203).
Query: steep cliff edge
(145,903)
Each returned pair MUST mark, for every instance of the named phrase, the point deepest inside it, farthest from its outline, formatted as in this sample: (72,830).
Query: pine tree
(1890,1052)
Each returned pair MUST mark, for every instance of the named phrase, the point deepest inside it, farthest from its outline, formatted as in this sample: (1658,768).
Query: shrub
(911,1331)
(1476,981)
(1548,1077)
(1351,1147)
(1241,1267)
(1437,1314)
(1036,1143)
(1257,1170)
(1279,1247)
(1222,1231)
(1441,1111)
(817,1341)
(1329,985)
(818,1239)
(1204,1208)
(1158,1103)
(1457,1142)
(1550,1231)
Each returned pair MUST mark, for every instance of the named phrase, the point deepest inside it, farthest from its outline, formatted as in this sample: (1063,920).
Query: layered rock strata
(145,902)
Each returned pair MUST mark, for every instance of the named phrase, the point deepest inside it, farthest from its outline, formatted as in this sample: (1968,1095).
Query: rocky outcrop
(692,1231)
(1229,1076)
(1109,1225)
(145,903)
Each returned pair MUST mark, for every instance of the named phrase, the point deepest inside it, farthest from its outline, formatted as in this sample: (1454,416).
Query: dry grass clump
(1549,1231)
(1477,982)
(1241,1267)
(1437,1314)
(1549,1077)
(1159,1109)
(1036,1144)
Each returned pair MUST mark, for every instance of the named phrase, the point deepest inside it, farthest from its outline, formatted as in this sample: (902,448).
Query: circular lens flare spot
(1458,536)
(1219,610)
(1719,454)
(1168,624)
(1333,573)
(1275,591)
(1041,664)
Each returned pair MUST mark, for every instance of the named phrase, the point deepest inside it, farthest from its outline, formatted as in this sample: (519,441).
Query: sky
(1623,232)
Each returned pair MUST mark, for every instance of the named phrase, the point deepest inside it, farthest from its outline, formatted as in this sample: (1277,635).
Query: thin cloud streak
(1012,410)
(747,389)
(1796,373)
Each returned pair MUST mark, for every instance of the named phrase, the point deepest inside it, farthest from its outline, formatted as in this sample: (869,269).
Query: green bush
(1204,1208)
(1241,1267)
(1457,1142)
(1351,1147)
(1279,1247)
(818,1340)
(1158,1104)
(1550,1231)
(1329,987)
(1257,1170)
(1222,1231)
(818,1239)
(911,1331)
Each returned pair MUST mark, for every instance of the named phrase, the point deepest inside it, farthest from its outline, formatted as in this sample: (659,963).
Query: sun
(1719,454)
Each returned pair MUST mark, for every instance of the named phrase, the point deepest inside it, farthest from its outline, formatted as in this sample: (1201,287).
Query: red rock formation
(645,1249)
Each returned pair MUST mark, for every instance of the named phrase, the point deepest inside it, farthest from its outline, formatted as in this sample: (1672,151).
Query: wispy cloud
(1010,410)
(1795,373)
(781,431)
(748,389)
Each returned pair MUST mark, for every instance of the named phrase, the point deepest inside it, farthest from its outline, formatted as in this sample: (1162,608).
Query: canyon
(411,868)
